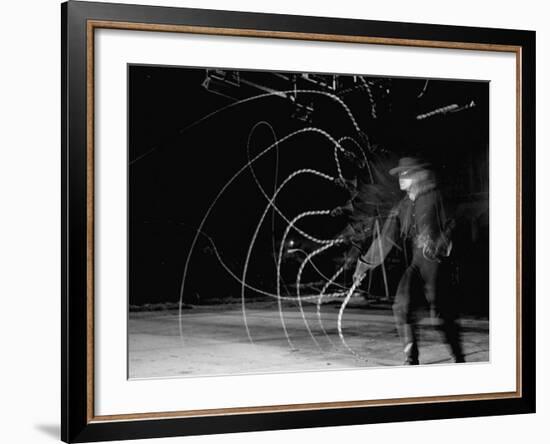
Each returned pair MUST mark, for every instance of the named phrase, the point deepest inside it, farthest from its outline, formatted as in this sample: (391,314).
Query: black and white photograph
(304,221)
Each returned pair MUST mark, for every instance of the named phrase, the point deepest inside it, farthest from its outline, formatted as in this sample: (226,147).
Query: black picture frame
(79,19)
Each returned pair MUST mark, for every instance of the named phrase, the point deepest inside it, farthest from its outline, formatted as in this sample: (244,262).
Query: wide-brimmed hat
(408,164)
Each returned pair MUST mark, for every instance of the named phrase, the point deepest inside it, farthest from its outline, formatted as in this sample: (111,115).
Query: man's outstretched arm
(381,245)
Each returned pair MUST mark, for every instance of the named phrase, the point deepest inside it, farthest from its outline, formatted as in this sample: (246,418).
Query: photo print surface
(289,221)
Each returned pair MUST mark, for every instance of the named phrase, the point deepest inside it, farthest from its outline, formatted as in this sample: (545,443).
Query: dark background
(177,168)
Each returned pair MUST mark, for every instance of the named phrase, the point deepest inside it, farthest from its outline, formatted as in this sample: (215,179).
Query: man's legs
(452,336)
(438,294)
(404,316)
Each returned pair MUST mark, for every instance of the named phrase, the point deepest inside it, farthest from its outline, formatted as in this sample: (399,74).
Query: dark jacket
(420,220)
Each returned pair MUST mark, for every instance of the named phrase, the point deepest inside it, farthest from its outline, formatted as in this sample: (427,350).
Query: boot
(410,347)
(411,354)
(452,336)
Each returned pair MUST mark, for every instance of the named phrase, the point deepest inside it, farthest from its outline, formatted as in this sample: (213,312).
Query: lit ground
(215,340)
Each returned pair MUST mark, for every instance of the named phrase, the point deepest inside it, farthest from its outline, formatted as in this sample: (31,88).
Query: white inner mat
(114,394)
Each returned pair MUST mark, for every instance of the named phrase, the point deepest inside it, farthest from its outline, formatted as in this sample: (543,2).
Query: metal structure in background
(238,85)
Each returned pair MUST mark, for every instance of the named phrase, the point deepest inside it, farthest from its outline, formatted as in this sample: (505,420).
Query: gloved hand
(430,251)
(339,182)
(350,156)
(338,211)
(360,270)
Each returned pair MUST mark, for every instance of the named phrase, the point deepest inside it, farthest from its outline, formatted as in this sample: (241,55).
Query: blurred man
(419,218)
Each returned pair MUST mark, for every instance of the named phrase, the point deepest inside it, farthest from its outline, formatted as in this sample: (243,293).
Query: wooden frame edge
(90,185)
(235,32)
(284,408)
